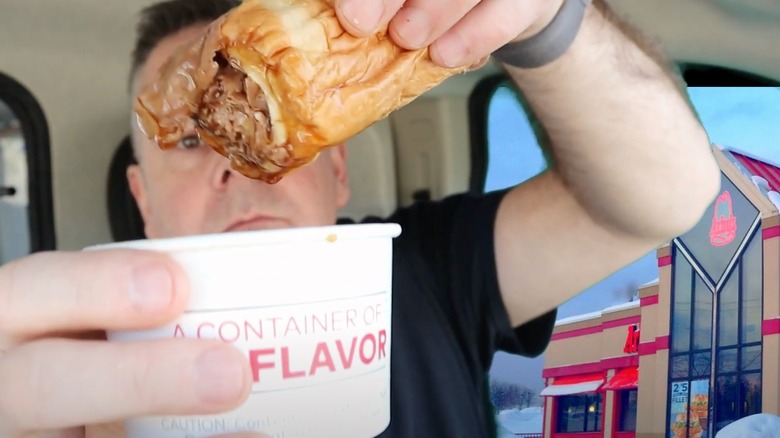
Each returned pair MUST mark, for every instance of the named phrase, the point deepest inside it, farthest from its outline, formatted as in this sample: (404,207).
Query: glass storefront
(579,413)
(716,313)
(738,372)
(695,350)
(628,408)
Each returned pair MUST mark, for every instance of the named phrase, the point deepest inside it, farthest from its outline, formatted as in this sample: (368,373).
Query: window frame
(35,131)
(621,410)
(599,415)
(753,240)
(478,112)
(755,243)
(706,75)
(693,74)
(478,119)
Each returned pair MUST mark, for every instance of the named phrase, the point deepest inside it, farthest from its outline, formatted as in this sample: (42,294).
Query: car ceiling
(740,34)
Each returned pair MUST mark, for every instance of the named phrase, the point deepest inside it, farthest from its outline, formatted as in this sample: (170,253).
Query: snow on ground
(513,421)
(754,426)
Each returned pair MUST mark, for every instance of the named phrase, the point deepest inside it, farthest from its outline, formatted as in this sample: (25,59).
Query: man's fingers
(52,384)
(478,64)
(111,289)
(420,22)
(488,26)
(363,17)
(459,32)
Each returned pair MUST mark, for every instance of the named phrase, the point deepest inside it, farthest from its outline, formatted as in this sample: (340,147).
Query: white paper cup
(310,308)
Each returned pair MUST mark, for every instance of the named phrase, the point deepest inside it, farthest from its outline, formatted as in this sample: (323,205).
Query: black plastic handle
(7,191)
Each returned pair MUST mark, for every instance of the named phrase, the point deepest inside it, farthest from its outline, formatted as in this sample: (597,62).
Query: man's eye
(189,142)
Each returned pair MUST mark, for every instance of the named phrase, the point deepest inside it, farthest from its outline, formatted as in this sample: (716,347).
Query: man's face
(192,189)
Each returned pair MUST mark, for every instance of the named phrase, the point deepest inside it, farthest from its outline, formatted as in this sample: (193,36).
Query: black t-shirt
(449,319)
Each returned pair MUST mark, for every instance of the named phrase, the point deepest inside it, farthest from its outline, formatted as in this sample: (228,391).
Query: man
(473,275)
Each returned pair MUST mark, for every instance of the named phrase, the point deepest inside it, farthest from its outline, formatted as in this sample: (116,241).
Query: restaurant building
(700,347)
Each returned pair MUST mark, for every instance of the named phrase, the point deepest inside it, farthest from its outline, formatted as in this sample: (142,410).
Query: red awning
(627,378)
(570,385)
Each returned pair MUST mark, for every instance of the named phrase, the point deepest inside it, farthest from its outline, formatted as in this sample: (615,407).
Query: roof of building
(764,173)
(595,315)
(759,167)
(650,283)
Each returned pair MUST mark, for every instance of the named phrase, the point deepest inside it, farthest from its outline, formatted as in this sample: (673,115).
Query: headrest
(123,215)
(372,173)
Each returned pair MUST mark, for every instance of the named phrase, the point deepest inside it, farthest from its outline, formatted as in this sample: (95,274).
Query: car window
(745,119)
(14,228)
(26,217)
(514,154)
(505,152)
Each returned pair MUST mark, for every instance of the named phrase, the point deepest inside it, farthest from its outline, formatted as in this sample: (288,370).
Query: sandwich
(686,426)
(272,83)
(700,407)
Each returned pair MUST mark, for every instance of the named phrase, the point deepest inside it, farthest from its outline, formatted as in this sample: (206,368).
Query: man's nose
(222,173)
(224,176)
(227,174)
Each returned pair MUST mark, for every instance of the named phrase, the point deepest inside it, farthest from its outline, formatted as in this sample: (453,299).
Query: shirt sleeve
(454,238)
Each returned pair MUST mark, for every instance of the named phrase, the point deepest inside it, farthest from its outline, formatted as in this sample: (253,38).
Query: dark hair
(165,18)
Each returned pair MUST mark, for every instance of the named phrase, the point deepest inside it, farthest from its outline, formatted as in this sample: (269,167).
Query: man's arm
(633,168)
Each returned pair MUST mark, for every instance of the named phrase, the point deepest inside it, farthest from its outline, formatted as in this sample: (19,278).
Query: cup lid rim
(331,233)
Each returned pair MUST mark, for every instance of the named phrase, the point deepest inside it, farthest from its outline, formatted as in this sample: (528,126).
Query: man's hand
(57,372)
(460,32)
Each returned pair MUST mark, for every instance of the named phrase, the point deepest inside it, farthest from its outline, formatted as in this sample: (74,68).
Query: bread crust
(321,84)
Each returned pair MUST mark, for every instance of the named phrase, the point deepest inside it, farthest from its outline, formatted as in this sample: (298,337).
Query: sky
(743,118)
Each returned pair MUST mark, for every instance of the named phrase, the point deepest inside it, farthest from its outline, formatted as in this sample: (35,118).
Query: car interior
(65,116)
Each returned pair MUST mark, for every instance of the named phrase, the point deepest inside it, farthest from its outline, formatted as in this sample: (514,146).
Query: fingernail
(220,376)
(451,50)
(151,288)
(414,28)
(478,64)
(364,15)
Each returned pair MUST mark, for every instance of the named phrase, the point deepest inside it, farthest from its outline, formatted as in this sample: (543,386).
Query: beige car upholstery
(372,173)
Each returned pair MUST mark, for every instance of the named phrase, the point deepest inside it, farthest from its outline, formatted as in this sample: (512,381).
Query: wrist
(542,22)
(548,39)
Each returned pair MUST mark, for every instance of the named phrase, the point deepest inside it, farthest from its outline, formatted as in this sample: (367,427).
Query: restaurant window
(738,371)
(690,350)
(721,302)
(579,413)
(628,408)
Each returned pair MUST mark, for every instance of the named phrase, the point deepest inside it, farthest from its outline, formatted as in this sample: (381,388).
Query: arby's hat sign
(724,223)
